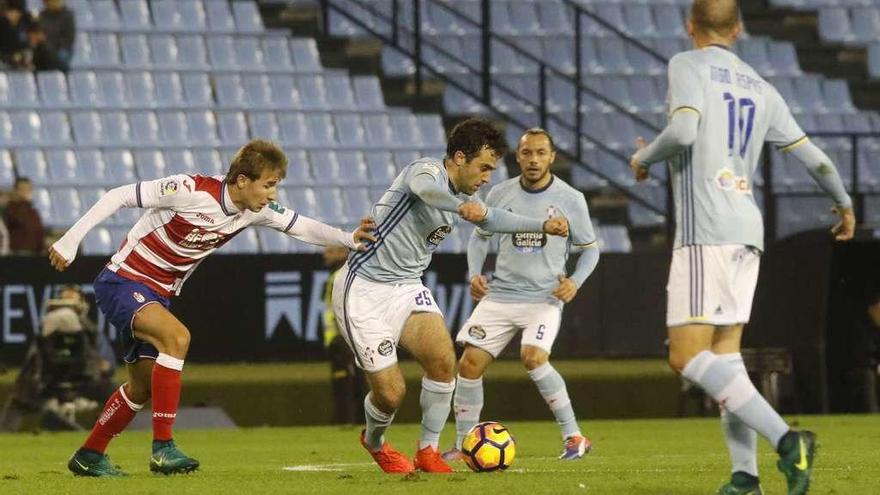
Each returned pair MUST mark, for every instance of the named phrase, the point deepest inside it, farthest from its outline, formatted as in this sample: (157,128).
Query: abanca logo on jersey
(728,181)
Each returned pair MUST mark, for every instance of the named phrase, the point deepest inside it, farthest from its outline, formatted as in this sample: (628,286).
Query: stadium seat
(285,96)
(31,163)
(669,21)
(7,170)
(614,239)
(141,90)
(111,90)
(834,25)
(53,89)
(321,133)
(556,18)
(197,90)
(145,127)
(179,15)
(326,166)
(248,54)
(405,129)
(305,55)
(65,207)
(150,164)
(379,131)
(276,53)
(219,17)
(356,203)
(274,242)
(179,161)
(329,200)
(353,167)
(163,51)
(98,242)
(784,58)
(135,15)
(311,91)
(247,17)
(104,51)
(837,96)
(350,130)
(135,51)
(299,170)
(119,165)
(202,125)
(230,92)
(431,129)
(42,201)
(22,90)
(257,91)
(116,129)
(293,128)
(207,161)
(63,168)
(874,60)
(380,167)
(55,128)
(866,23)
(191,53)
(798,214)
(264,125)
(173,127)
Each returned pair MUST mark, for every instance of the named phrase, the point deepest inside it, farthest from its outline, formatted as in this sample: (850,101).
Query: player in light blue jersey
(380,299)
(527,291)
(721,113)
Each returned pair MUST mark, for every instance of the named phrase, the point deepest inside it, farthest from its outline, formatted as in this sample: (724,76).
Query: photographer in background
(63,372)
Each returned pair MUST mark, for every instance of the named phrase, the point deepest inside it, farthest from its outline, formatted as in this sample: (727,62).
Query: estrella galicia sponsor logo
(477,332)
(437,235)
(386,347)
(528,242)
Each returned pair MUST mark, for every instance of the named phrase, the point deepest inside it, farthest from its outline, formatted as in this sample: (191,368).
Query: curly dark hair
(473,135)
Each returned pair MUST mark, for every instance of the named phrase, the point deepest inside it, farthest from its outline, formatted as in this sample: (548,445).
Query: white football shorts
(493,324)
(711,285)
(371,316)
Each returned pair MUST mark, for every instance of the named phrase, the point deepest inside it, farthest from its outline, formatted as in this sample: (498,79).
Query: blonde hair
(719,17)
(254,157)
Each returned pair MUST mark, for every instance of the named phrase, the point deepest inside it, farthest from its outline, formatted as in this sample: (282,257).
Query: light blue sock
(735,392)
(552,388)
(742,441)
(377,423)
(467,404)
(435,400)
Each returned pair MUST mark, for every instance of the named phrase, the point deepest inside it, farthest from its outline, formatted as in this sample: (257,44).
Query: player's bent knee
(137,393)
(177,342)
(533,358)
(678,360)
(389,398)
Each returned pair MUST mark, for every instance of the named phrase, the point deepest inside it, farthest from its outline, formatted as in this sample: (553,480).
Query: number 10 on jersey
(740,119)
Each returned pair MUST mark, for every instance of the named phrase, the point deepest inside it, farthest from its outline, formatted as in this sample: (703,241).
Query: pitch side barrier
(268,307)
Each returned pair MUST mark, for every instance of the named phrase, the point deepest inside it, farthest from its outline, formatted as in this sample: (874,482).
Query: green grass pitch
(685,456)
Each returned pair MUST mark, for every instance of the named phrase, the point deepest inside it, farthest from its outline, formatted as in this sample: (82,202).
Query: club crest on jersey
(386,347)
(138,297)
(169,188)
(728,181)
(437,235)
(477,332)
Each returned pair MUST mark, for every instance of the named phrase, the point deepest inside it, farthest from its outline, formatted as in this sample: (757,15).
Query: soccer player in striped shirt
(187,219)
(721,112)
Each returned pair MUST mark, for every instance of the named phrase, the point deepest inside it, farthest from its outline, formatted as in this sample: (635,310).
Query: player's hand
(472,211)
(566,290)
(639,169)
(846,227)
(556,226)
(363,234)
(58,261)
(479,287)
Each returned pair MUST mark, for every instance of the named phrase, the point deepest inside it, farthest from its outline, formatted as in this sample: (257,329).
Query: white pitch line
(325,467)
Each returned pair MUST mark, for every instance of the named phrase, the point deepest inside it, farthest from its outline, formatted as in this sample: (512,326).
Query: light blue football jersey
(408,230)
(713,180)
(529,263)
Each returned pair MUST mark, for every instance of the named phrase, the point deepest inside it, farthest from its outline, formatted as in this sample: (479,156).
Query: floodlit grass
(681,456)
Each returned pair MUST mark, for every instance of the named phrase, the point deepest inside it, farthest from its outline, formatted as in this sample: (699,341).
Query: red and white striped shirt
(188,218)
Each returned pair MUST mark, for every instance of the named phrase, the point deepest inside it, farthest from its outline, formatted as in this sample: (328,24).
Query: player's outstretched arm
(500,220)
(478,249)
(321,234)
(822,170)
(63,251)
(679,134)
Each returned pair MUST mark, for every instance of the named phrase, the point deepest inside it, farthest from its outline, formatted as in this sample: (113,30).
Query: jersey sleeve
(580,226)
(491,200)
(783,130)
(685,85)
(277,217)
(426,168)
(169,192)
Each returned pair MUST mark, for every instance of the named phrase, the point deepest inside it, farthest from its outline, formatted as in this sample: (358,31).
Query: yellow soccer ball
(488,446)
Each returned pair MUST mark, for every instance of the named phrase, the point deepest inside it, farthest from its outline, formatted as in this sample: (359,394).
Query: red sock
(116,415)
(166,395)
